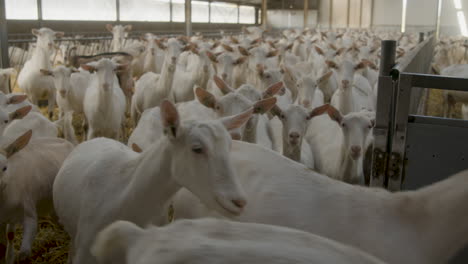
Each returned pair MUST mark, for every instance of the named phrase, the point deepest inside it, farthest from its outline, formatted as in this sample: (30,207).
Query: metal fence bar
(396,163)
(383,115)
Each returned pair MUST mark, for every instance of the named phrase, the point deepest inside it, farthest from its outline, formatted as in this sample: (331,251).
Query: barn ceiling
(278,4)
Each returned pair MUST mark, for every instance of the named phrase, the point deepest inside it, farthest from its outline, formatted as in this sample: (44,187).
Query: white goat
(425,226)
(5,79)
(26,191)
(30,79)
(118,36)
(355,92)
(339,143)
(104,104)
(257,130)
(210,240)
(136,187)
(151,89)
(196,75)
(451,97)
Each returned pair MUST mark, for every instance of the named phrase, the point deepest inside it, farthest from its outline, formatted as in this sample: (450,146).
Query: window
(246,14)
(223,13)
(200,12)
(178,10)
(144,10)
(16,9)
(78,10)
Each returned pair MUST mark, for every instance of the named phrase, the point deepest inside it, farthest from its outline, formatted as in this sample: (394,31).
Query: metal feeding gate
(412,150)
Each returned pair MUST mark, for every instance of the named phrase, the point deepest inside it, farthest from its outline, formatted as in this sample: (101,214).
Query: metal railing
(401,128)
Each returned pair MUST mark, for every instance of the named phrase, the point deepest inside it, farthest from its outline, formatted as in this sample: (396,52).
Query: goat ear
(20,113)
(272,90)
(136,148)
(289,46)
(205,98)
(19,144)
(227,48)
(243,51)
(319,50)
(372,122)
(331,64)
(275,110)
(128,28)
(35,32)
(212,57)
(263,106)
(88,67)
(236,121)
(16,99)
(340,51)
(272,53)
(240,60)
(225,89)
(318,111)
(109,27)
(160,45)
(170,118)
(325,77)
(335,114)
(59,34)
(360,66)
(46,72)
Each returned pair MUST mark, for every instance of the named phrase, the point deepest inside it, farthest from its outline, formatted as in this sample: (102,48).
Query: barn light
(457,4)
(403,17)
(462,23)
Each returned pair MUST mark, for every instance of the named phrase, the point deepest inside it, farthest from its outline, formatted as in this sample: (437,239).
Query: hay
(435,105)
(51,243)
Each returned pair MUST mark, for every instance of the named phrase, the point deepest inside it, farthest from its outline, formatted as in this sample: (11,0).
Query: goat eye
(282,116)
(343,125)
(197,150)
(6,121)
(4,168)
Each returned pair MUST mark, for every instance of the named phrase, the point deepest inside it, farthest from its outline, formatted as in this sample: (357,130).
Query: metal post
(330,15)
(264,14)
(188,18)
(306,12)
(39,13)
(421,37)
(209,11)
(256,16)
(5,63)
(439,10)
(348,15)
(384,115)
(170,11)
(117,9)
(238,13)
(360,13)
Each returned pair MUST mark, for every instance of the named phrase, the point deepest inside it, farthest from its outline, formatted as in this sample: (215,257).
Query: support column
(439,10)
(117,10)
(264,14)
(39,13)
(4,61)
(306,12)
(188,18)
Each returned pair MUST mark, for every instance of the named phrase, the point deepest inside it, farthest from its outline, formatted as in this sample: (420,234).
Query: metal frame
(402,97)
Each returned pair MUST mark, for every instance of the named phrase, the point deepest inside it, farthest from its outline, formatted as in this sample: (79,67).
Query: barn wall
(358,15)
(421,15)
(290,18)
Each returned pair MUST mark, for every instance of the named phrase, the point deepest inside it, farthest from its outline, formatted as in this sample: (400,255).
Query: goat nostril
(294,135)
(356,149)
(239,203)
(345,83)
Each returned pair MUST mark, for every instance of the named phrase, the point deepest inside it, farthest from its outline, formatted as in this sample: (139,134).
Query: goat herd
(299,106)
